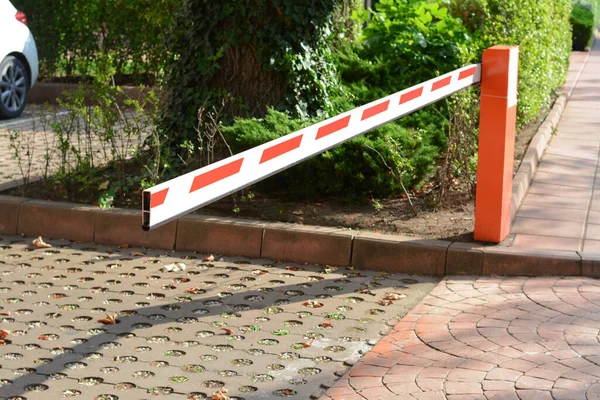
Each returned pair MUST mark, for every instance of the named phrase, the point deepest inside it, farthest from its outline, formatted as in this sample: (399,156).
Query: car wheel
(14,87)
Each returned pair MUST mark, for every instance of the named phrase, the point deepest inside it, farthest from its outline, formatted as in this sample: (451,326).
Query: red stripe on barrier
(377,109)
(466,73)
(441,83)
(413,94)
(281,148)
(156,199)
(216,175)
(333,127)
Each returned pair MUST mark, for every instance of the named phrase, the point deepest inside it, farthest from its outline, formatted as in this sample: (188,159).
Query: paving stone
(464,388)
(497,316)
(501,395)
(528,382)
(534,395)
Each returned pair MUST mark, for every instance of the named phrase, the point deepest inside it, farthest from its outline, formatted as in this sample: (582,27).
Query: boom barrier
(186,193)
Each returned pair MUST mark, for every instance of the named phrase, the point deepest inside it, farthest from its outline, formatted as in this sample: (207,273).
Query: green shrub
(71,33)
(417,40)
(542,30)
(365,165)
(582,21)
(591,5)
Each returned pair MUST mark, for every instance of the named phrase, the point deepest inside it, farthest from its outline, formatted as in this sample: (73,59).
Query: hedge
(72,34)
(542,30)
(584,17)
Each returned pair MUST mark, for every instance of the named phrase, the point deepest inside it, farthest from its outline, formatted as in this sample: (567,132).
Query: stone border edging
(286,242)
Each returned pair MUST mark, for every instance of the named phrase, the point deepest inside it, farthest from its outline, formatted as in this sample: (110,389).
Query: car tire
(14,87)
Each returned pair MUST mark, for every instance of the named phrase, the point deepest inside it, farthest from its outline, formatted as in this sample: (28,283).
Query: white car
(18,61)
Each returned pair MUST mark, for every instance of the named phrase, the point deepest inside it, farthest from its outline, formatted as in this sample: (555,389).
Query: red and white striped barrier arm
(179,196)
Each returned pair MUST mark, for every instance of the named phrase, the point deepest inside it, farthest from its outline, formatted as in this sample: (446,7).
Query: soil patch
(454,220)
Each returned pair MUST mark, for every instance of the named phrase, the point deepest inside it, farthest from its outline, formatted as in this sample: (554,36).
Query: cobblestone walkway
(258,328)
(488,338)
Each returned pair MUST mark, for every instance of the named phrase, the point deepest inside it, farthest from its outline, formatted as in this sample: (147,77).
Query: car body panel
(16,38)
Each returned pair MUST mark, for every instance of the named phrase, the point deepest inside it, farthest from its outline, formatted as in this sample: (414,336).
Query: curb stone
(209,234)
(9,214)
(286,242)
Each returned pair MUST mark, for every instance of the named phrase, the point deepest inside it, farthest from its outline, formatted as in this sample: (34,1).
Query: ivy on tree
(248,55)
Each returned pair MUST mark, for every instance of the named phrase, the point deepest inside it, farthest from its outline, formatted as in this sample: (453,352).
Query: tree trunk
(244,76)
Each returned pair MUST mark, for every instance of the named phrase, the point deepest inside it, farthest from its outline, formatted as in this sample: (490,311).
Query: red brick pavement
(488,338)
(560,211)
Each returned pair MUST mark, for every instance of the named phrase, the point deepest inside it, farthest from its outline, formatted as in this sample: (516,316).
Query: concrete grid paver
(172,342)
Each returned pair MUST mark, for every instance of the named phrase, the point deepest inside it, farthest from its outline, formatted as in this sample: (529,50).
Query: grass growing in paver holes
(335,316)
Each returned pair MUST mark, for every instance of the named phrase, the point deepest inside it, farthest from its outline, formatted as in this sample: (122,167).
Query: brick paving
(38,145)
(170,339)
(488,338)
(561,211)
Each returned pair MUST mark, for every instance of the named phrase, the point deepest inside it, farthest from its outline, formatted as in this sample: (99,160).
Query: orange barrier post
(498,111)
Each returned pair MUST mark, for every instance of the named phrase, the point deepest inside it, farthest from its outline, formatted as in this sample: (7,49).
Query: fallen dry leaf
(103,185)
(124,246)
(40,244)
(290,268)
(193,290)
(394,296)
(136,254)
(109,320)
(43,337)
(258,272)
(5,313)
(209,258)
(326,325)
(178,266)
(220,395)
(386,302)
(4,334)
(2,342)
(312,304)
(305,345)
(228,331)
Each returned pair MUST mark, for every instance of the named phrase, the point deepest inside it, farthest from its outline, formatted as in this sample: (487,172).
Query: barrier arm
(184,194)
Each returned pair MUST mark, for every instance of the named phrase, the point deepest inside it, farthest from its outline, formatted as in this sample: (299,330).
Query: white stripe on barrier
(184,194)
(513,76)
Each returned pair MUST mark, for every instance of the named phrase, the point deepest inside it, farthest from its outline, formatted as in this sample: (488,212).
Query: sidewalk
(561,211)
(511,338)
